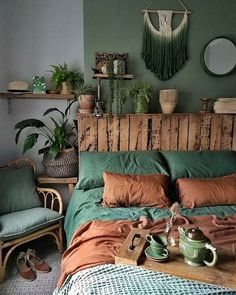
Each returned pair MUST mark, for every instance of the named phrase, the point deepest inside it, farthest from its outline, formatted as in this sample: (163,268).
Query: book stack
(225,105)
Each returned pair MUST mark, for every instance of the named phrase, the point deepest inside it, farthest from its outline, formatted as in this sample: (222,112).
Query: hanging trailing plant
(120,98)
(110,72)
(115,83)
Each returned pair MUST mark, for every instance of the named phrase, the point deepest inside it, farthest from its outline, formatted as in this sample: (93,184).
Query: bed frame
(185,131)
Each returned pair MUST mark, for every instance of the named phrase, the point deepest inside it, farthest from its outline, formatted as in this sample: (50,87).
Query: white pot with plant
(86,96)
(60,157)
(140,92)
(65,80)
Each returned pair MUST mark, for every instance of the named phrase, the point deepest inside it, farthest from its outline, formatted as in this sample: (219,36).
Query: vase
(65,89)
(168,99)
(141,104)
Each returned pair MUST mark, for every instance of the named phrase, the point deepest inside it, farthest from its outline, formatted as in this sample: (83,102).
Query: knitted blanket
(128,280)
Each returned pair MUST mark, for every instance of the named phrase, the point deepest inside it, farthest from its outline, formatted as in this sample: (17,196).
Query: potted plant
(60,158)
(140,92)
(65,80)
(86,96)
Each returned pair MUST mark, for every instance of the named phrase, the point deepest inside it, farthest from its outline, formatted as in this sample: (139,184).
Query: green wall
(117,26)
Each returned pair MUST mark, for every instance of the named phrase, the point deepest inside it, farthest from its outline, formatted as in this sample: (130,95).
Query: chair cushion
(93,164)
(21,223)
(17,189)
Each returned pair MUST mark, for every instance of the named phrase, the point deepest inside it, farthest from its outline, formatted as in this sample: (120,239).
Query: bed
(186,146)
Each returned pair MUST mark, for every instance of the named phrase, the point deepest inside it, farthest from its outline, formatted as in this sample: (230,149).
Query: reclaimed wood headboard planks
(183,131)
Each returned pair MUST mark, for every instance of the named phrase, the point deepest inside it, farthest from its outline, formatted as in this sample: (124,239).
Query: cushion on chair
(21,223)
(17,189)
(93,164)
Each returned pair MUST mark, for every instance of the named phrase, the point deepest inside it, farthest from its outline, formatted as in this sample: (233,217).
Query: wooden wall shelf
(10,95)
(28,95)
(105,76)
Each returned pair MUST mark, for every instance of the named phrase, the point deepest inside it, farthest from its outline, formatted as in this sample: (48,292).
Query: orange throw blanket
(97,242)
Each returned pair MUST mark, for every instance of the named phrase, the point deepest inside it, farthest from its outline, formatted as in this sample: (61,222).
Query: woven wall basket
(65,164)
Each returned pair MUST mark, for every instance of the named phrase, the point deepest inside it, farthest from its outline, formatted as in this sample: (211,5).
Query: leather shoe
(35,262)
(25,270)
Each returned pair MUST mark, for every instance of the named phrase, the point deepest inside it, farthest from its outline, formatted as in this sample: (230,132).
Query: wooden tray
(223,274)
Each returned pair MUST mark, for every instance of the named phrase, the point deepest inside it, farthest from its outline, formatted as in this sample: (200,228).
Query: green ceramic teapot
(196,247)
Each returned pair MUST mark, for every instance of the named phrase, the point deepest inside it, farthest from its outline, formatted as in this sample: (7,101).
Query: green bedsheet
(85,206)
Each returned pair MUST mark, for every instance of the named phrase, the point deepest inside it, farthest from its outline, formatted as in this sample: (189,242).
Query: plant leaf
(53,152)
(69,106)
(43,150)
(59,135)
(29,123)
(46,142)
(55,122)
(30,141)
(53,110)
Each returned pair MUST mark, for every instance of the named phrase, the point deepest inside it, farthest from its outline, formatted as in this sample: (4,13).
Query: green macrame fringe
(164,55)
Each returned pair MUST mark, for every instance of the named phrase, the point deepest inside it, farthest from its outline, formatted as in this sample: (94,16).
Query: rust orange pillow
(196,192)
(126,190)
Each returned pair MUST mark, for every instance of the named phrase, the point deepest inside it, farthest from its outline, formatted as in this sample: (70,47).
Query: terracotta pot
(86,103)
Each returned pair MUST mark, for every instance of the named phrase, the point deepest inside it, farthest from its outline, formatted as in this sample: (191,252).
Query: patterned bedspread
(112,279)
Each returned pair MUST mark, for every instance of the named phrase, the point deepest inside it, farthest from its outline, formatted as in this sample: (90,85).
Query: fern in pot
(140,92)
(60,157)
(65,80)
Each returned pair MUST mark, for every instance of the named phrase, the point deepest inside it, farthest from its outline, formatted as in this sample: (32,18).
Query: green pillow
(93,164)
(17,189)
(199,164)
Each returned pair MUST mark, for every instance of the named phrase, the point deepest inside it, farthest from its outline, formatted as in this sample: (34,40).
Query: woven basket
(65,164)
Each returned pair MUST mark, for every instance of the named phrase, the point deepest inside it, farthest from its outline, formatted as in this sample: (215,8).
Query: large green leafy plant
(62,136)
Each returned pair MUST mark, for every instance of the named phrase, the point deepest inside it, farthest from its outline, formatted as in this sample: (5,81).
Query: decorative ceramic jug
(196,247)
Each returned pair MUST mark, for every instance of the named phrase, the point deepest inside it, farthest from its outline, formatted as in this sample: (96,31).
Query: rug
(45,283)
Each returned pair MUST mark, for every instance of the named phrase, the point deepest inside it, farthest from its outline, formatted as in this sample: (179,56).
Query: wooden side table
(70,181)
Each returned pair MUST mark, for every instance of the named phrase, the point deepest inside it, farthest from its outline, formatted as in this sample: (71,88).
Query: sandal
(25,270)
(35,262)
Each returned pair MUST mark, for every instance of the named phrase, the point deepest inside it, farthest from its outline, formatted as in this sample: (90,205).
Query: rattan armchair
(51,200)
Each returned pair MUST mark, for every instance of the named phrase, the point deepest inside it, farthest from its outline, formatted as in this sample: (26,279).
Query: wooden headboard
(157,132)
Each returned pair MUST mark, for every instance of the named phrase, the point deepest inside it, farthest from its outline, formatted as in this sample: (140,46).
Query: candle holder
(205,101)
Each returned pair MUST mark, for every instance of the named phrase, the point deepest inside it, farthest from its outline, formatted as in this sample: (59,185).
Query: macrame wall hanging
(165,50)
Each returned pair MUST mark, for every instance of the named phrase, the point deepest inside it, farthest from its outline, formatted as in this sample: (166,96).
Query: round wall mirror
(219,57)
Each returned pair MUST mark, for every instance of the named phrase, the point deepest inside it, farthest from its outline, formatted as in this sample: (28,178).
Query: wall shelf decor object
(219,57)
(101,59)
(165,51)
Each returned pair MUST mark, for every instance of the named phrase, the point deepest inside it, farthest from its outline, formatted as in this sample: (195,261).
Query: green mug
(157,241)
(158,246)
